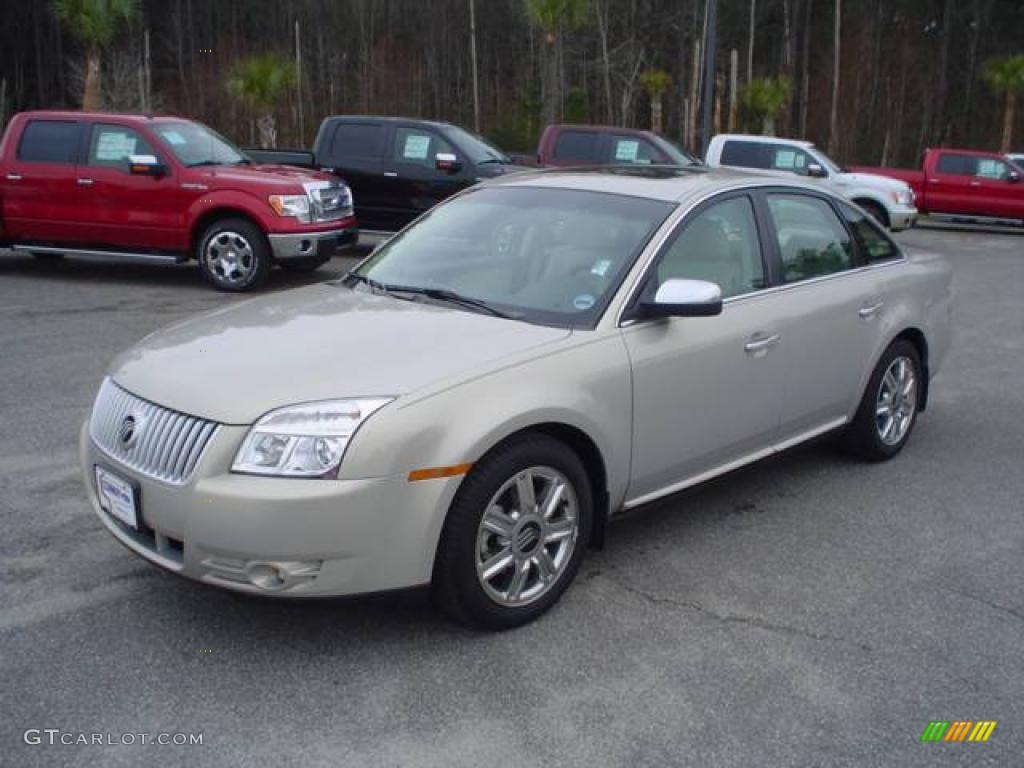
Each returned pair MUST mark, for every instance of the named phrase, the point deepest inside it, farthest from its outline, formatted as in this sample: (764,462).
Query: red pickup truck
(567,145)
(164,189)
(964,184)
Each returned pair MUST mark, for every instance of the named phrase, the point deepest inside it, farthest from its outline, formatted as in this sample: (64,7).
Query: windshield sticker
(173,137)
(416,147)
(601,268)
(627,150)
(583,302)
(115,146)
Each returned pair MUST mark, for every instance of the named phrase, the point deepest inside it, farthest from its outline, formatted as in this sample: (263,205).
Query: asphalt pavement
(808,611)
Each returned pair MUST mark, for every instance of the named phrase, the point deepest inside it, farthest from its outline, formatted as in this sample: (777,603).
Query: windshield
(831,165)
(549,256)
(676,153)
(479,149)
(195,144)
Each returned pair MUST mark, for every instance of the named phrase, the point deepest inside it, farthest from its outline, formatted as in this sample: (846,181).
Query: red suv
(163,188)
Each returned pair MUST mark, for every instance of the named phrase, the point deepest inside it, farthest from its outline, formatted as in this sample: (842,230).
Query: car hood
(881,183)
(315,343)
(268,175)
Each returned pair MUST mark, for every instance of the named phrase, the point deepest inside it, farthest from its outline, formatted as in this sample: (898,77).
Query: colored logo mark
(959,730)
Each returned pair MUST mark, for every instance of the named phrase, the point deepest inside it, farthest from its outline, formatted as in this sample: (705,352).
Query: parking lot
(807,611)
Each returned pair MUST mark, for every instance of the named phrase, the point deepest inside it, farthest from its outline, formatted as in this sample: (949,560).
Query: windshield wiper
(204,162)
(443,294)
(374,286)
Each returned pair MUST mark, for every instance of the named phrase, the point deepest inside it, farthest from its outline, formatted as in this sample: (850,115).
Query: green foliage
(95,22)
(655,82)
(549,15)
(764,98)
(260,81)
(1005,74)
(576,109)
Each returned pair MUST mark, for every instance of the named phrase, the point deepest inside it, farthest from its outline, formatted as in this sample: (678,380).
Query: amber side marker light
(433,473)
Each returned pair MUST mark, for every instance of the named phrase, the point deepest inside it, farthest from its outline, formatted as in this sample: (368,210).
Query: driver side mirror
(816,171)
(145,165)
(447,162)
(680,297)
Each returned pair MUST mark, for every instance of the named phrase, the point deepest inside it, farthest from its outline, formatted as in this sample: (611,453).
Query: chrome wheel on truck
(234,255)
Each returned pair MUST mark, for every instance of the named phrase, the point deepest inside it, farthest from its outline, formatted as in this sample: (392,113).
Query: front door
(707,390)
(412,175)
(121,210)
(1001,196)
(40,185)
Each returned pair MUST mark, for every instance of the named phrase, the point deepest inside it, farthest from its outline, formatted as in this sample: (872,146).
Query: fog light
(281,575)
(266,576)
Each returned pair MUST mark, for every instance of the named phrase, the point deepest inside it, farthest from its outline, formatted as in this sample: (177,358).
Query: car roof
(669,183)
(389,119)
(600,129)
(68,114)
(763,139)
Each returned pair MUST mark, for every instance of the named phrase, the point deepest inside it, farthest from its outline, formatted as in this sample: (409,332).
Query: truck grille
(330,201)
(154,441)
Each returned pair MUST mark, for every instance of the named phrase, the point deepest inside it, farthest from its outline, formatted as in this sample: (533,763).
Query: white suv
(889,201)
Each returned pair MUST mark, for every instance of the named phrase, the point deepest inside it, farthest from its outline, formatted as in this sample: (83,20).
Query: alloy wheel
(896,401)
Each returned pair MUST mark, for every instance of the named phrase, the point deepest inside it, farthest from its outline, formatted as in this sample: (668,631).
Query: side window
(812,240)
(990,168)
(792,159)
(577,146)
(112,145)
(720,245)
(626,149)
(745,154)
(958,165)
(358,140)
(418,147)
(50,141)
(874,244)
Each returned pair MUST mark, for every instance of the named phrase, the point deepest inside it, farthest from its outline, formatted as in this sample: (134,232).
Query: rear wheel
(304,264)
(515,534)
(234,255)
(888,409)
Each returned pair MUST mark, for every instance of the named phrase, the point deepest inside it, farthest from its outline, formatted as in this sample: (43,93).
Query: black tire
(863,437)
(47,256)
(456,587)
(876,211)
(255,257)
(304,264)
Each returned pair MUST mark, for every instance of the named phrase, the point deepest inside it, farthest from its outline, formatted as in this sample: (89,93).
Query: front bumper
(902,217)
(301,245)
(280,536)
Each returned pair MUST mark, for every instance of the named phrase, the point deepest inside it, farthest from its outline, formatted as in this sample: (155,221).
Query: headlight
(305,440)
(291,205)
(904,197)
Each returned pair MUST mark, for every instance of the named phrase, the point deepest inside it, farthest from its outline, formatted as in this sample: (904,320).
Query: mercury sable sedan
(468,406)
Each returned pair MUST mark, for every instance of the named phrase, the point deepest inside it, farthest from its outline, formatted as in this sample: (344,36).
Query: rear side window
(577,146)
(745,154)
(874,244)
(50,141)
(958,165)
(357,140)
(812,240)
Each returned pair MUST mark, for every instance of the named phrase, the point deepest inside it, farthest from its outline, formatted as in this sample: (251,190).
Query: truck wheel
(234,255)
(515,534)
(876,212)
(305,264)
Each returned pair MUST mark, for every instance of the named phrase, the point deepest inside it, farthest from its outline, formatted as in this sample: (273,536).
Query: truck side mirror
(447,162)
(816,171)
(145,165)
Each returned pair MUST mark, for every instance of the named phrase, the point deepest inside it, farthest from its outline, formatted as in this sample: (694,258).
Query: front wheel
(888,409)
(515,534)
(877,212)
(234,255)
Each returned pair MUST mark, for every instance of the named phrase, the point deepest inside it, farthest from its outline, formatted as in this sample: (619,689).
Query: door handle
(85,182)
(759,342)
(14,177)
(869,310)
(391,174)
(975,183)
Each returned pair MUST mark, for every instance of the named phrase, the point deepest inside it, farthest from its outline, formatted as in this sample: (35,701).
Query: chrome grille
(166,445)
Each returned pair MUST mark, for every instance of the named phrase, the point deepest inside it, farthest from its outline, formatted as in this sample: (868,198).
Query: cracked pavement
(807,611)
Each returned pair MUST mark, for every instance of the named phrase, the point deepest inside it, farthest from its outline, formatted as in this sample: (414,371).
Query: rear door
(413,181)
(40,187)
(949,185)
(354,150)
(1000,194)
(121,210)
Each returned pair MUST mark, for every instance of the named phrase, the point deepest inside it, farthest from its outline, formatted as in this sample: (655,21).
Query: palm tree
(656,82)
(551,16)
(764,98)
(95,23)
(1006,75)
(259,82)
